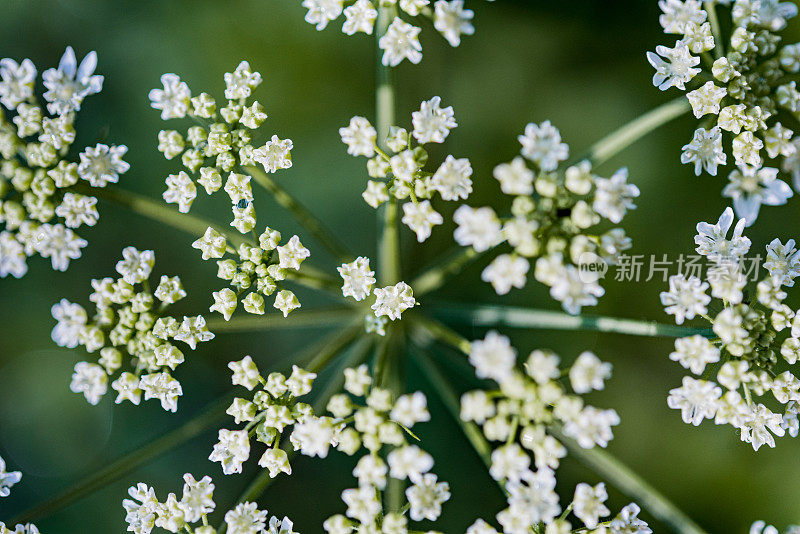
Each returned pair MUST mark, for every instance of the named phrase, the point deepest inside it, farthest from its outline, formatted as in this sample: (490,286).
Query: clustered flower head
(390,301)
(270,409)
(7,479)
(751,353)
(761,527)
(554,219)
(399,173)
(217,151)
(518,415)
(42,200)
(257,268)
(144,512)
(400,39)
(130,324)
(369,418)
(742,91)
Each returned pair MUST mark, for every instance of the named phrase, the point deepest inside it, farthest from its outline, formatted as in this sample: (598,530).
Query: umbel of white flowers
(130,324)
(40,206)
(739,98)
(751,345)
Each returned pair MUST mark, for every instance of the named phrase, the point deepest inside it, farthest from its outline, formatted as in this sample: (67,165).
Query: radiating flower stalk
(40,205)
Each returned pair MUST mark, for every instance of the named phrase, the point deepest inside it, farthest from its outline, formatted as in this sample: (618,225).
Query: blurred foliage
(578,63)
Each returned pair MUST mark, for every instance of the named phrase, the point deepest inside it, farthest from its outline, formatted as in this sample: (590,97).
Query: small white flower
(7,479)
(696,399)
(614,196)
(694,352)
(752,187)
(515,177)
(70,83)
(678,69)
(452,20)
(677,14)
(506,271)
(706,99)
(588,373)
(493,357)
(173,100)
(232,449)
(712,241)
(410,409)
(421,218)
(91,380)
(589,504)
(686,297)
(358,278)
(392,301)
(401,41)
(321,12)
(246,518)
(102,164)
(240,83)
(541,143)
(477,227)
(783,261)
(360,18)
(163,387)
(452,179)
(16,82)
(705,151)
(359,136)
(432,123)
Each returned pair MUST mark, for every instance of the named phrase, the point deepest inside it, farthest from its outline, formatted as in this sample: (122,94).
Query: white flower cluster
(400,175)
(272,408)
(7,479)
(518,414)
(215,151)
(390,301)
(40,202)
(259,268)
(741,91)
(554,218)
(401,39)
(749,355)
(144,512)
(129,322)
(381,424)
(27,528)
(760,527)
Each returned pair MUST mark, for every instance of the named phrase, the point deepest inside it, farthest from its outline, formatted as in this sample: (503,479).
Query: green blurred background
(580,64)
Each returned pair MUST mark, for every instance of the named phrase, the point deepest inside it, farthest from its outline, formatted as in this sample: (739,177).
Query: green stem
(307,219)
(518,317)
(297,319)
(160,212)
(389,246)
(711,8)
(437,331)
(312,277)
(621,477)
(445,391)
(622,137)
(212,414)
(435,276)
(334,347)
(262,481)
